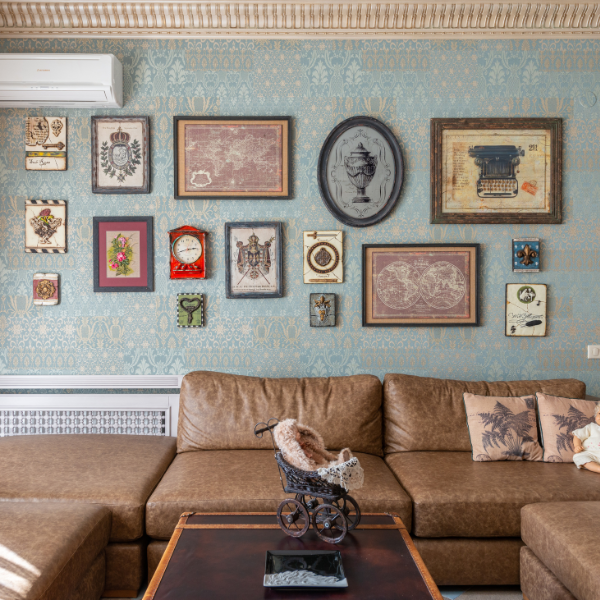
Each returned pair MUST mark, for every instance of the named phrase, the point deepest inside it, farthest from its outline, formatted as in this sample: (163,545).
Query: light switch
(594,351)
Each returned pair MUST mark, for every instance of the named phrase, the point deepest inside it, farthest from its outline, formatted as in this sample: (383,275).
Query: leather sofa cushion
(126,566)
(218,411)
(118,471)
(46,549)
(564,536)
(453,496)
(423,413)
(248,481)
(538,582)
(471,561)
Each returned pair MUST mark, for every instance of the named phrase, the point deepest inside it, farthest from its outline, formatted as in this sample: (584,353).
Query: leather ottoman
(52,551)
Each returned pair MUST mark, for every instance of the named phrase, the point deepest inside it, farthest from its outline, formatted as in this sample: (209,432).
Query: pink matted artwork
(410,285)
(232,158)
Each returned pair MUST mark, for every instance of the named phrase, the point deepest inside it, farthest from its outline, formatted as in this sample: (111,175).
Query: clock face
(187,249)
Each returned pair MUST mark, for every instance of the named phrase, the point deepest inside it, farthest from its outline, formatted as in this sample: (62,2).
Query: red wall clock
(188,250)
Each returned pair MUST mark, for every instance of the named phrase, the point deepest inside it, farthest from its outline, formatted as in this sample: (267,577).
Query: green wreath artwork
(121,158)
(120,255)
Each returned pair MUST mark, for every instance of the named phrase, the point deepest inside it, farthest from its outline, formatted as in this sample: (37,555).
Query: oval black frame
(334,134)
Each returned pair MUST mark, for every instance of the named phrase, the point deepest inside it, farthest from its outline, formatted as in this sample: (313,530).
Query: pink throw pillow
(502,428)
(559,417)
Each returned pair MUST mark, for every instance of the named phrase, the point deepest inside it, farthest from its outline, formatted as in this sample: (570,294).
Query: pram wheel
(349,507)
(329,523)
(293,518)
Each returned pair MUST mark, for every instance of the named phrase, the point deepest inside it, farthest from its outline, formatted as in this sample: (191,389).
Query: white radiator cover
(128,414)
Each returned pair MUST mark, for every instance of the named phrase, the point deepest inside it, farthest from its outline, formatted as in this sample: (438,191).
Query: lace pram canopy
(349,475)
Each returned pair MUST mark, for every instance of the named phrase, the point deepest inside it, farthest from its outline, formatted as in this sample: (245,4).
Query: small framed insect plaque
(526,309)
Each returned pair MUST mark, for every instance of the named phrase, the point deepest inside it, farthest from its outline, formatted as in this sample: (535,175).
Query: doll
(304,448)
(587,444)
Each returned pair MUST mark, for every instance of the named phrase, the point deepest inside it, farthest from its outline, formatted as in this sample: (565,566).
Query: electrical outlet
(594,351)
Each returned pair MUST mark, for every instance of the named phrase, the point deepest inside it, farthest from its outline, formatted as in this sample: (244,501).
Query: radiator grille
(43,422)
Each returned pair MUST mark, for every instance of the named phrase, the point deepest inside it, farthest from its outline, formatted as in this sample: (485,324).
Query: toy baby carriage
(328,506)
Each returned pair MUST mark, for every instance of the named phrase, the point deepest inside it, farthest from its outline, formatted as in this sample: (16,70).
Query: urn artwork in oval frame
(360,171)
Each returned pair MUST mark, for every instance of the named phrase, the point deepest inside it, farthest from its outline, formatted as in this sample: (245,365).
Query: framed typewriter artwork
(496,171)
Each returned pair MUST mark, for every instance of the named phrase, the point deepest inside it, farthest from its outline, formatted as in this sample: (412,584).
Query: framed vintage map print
(46,226)
(46,143)
(323,256)
(496,171)
(420,284)
(123,254)
(253,260)
(232,157)
(360,171)
(526,309)
(120,155)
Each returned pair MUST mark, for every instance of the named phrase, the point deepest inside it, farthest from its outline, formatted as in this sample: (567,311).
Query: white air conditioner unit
(65,80)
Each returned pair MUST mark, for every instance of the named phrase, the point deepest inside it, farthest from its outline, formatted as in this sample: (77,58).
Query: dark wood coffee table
(222,557)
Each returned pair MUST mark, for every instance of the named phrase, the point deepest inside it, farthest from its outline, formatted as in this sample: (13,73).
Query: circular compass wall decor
(360,171)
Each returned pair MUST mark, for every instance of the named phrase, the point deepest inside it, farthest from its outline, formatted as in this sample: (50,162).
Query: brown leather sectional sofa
(410,435)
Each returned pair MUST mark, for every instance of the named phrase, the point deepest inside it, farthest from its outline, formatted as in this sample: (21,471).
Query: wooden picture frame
(121,155)
(123,254)
(420,285)
(506,170)
(375,163)
(201,146)
(249,268)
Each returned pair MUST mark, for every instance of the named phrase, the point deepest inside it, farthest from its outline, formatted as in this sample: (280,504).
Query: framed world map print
(232,157)
(360,171)
(420,284)
(120,155)
(496,171)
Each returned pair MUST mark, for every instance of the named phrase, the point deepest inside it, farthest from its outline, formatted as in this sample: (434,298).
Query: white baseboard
(81,382)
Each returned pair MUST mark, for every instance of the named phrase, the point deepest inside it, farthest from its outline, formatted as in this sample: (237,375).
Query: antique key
(60,146)
(191,308)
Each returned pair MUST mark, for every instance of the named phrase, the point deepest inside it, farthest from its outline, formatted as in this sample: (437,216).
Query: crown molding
(396,19)
(89,382)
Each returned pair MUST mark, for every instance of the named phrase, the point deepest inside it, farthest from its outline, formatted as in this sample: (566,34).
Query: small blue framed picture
(526,255)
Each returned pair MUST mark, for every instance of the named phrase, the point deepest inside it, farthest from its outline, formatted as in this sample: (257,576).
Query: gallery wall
(319,84)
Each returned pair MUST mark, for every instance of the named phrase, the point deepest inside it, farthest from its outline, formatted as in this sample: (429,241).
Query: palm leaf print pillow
(559,417)
(502,428)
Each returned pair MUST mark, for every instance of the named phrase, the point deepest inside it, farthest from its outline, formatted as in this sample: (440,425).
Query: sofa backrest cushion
(218,411)
(423,413)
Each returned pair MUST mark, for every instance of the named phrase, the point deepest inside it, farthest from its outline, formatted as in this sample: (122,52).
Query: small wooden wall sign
(45,289)
(190,310)
(46,144)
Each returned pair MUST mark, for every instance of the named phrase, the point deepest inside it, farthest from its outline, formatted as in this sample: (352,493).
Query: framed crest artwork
(323,256)
(526,309)
(46,143)
(45,289)
(360,171)
(190,311)
(120,155)
(46,226)
(123,254)
(253,260)
(496,170)
(232,157)
(420,284)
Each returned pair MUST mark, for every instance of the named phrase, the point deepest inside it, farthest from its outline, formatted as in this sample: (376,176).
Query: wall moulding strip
(84,382)
(297,20)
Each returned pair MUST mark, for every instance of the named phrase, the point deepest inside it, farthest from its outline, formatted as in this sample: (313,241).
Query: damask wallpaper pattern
(404,84)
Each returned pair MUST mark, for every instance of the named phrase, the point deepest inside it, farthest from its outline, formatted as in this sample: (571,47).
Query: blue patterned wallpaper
(318,83)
